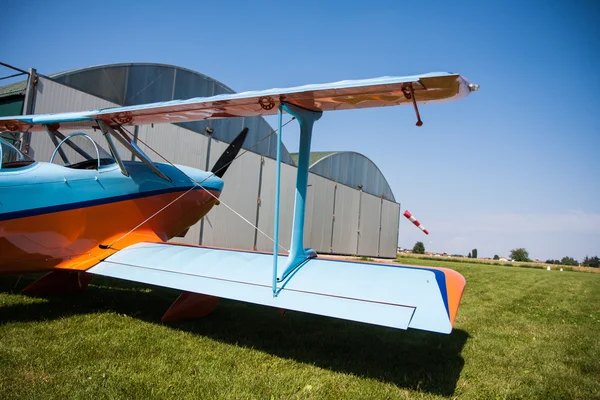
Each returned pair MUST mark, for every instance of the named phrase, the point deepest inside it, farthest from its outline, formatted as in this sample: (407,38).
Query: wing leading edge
(382,294)
(343,95)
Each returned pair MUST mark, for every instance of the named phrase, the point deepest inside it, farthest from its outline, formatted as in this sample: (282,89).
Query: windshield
(79,151)
(12,157)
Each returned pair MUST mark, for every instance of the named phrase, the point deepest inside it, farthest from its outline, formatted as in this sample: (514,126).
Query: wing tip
(455,286)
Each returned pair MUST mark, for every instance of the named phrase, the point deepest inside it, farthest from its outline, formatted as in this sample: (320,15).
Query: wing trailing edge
(382,294)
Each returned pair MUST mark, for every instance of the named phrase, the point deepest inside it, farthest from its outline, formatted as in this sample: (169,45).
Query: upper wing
(378,92)
(383,294)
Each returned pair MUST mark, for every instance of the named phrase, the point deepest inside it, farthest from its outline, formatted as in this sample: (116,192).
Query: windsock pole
(412,219)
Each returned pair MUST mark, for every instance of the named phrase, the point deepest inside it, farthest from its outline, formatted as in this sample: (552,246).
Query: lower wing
(382,294)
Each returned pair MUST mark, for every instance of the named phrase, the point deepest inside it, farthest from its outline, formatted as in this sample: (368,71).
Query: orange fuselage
(77,235)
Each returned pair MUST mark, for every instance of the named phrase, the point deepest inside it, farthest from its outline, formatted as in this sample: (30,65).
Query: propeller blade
(229,154)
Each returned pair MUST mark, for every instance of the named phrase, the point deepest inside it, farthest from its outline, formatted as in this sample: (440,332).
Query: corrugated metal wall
(267,205)
(388,239)
(345,227)
(339,219)
(318,230)
(52,97)
(368,228)
(169,140)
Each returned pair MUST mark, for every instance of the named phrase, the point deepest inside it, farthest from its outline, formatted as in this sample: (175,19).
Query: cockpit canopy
(12,157)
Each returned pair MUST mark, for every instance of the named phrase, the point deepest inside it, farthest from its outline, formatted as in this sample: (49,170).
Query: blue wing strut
(298,254)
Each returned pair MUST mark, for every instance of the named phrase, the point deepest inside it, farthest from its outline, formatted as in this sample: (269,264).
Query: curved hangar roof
(140,83)
(351,169)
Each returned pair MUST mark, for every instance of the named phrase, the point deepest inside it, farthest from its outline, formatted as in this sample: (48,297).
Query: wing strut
(298,254)
(131,146)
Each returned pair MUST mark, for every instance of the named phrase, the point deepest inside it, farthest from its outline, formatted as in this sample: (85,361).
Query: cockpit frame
(78,149)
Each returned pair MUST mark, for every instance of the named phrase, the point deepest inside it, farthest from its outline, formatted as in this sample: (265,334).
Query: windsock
(412,219)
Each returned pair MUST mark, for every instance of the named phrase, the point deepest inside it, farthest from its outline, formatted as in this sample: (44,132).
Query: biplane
(90,212)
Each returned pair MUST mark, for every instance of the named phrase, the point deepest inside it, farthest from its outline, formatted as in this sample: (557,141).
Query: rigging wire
(199,184)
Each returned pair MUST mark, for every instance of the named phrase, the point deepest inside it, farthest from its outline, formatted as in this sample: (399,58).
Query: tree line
(522,255)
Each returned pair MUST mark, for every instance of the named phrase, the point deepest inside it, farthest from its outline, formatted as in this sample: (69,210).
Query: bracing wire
(199,184)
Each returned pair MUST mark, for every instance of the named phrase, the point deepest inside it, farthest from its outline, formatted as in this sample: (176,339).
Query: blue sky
(514,165)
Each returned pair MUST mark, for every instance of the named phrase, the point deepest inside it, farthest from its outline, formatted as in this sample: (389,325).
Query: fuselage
(59,217)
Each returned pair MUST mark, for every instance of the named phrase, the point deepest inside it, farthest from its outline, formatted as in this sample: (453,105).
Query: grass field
(484,261)
(520,333)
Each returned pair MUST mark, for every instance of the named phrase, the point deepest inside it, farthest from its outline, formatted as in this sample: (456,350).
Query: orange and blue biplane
(90,212)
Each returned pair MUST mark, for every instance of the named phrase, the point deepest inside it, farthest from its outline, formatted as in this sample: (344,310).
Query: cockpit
(12,157)
(77,150)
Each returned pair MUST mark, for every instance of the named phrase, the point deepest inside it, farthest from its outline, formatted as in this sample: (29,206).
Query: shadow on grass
(411,359)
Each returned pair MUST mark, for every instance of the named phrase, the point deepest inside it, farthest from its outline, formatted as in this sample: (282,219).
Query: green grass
(520,333)
(529,264)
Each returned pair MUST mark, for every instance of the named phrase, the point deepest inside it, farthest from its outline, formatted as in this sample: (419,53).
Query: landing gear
(59,281)
(190,306)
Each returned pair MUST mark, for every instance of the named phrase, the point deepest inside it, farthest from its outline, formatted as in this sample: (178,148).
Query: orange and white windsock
(412,219)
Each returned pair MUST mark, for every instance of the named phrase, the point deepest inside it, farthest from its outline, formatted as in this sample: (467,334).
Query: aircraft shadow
(411,359)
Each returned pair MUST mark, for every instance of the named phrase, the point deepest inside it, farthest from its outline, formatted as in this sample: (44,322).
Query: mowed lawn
(520,333)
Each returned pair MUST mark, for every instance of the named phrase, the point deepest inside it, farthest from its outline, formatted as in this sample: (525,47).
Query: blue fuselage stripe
(94,202)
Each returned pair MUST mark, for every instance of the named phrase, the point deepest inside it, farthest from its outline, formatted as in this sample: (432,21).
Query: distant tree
(419,248)
(519,254)
(474,253)
(496,257)
(569,261)
(593,262)
(469,255)
(552,262)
